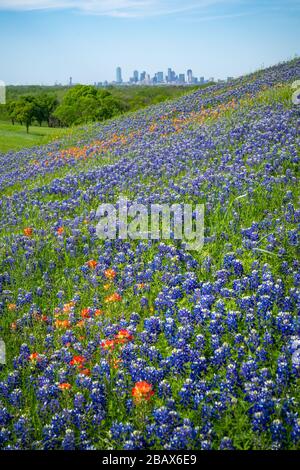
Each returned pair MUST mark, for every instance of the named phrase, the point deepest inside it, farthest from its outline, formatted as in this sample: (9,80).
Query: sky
(47,41)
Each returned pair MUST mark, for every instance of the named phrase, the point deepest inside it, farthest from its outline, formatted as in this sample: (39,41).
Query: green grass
(16,138)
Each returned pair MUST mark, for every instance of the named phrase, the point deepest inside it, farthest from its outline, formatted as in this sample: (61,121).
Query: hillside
(143,344)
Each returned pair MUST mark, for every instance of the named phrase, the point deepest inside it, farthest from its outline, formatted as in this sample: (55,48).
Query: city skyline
(143,77)
(159,78)
(43,41)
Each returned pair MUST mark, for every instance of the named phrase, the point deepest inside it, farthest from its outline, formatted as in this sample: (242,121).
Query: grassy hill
(144,344)
(14,137)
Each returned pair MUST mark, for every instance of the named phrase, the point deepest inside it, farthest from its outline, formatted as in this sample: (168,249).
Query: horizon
(47,41)
(125,82)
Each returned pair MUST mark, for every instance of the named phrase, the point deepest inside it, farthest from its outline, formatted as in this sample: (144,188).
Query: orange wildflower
(142,391)
(77,361)
(34,357)
(123,336)
(11,307)
(92,264)
(113,298)
(106,286)
(28,231)
(115,363)
(65,386)
(62,324)
(67,307)
(98,313)
(108,344)
(84,371)
(60,230)
(110,274)
(85,313)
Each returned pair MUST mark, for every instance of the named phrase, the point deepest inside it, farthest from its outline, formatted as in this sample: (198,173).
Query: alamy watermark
(130,220)
(2,92)
(2,352)
(296,95)
(295,347)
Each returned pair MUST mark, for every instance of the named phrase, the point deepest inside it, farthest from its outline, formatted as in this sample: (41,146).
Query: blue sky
(43,41)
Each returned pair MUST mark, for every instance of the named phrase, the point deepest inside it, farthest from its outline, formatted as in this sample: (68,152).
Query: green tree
(46,105)
(26,113)
(84,103)
(11,109)
(110,107)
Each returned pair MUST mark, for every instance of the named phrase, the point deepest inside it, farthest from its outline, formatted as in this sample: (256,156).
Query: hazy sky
(43,41)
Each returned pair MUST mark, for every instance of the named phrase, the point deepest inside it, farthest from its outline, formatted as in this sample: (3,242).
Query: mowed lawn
(16,138)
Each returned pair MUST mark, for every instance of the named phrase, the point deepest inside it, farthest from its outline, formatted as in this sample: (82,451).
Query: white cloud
(116,8)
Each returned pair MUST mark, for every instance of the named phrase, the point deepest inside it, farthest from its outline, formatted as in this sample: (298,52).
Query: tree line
(81,104)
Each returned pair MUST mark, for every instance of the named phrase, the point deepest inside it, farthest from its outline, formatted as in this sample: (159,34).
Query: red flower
(34,357)
(65,386)
(85,313)
(84,371)
(98,312)
(123,336)
(108,344)
(92,264)
(77,361)
(142,391)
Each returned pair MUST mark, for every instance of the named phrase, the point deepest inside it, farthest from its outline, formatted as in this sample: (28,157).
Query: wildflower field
(136,344)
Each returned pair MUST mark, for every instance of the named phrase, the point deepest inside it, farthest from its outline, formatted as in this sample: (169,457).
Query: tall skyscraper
(181,78)
(159,77)
(70,82)
(189,76)
(142,76)
(135,76)
(119,75)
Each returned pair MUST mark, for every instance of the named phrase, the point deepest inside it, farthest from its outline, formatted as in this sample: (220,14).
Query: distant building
(181,78)
(201,80)
(70,82)
(119,75)
(135,76)
(229,79)
(171,76)
(159,77)
(189,76)
(142,76)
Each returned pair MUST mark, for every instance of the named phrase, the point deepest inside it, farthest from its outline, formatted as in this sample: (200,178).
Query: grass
(16,138)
